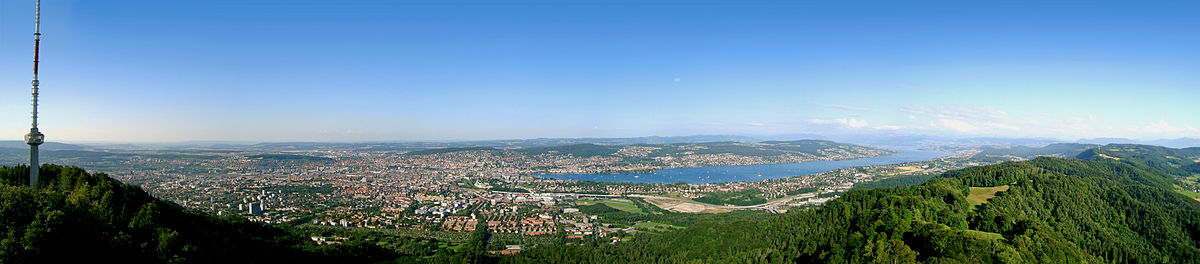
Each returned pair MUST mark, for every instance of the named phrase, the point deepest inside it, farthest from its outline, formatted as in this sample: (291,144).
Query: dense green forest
(743,197)
(655,214)
(896,181)
(1055,211)
(1178,162)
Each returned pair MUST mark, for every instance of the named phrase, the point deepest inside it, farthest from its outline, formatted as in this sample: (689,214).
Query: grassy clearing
(655,226)
(451,245)
(980,195)
(984,235)
(619,204)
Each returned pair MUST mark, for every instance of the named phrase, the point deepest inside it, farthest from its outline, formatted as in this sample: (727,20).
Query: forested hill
(1179,162)
(1008,152)
(76,217)
(1045,210)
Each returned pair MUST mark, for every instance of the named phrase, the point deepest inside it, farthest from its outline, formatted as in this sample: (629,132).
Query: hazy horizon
(371,71)
(835,138)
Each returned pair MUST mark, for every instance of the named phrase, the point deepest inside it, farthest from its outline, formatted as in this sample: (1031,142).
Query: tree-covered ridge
(1055,211)
(1058,150)
(1179,162)
(76,217)
(743,197)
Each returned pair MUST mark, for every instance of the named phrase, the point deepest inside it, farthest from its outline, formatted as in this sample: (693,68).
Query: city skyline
(143,71)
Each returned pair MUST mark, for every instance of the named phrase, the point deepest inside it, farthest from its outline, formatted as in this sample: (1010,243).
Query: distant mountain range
(17,144)
(499,144)
(1009,152)
(1172,143)
(872,140)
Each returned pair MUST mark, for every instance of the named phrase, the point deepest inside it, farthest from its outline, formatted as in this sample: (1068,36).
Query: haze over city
(161,71)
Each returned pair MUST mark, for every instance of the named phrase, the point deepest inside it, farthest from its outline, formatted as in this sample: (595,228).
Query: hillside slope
(76,217)
(1008,153)
(1054,211)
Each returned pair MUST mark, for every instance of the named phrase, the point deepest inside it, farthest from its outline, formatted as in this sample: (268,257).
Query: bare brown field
(686,207)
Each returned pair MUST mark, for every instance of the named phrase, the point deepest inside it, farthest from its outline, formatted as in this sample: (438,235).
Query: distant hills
(17,144)
(871,139)
(1180,162)
(280,157)
(497,144)
(546,142)
(1172,143)
(1010,152)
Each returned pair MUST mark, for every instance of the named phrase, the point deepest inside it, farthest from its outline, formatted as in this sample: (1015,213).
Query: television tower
(35,138)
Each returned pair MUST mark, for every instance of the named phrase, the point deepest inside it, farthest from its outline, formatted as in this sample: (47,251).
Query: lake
(745,173)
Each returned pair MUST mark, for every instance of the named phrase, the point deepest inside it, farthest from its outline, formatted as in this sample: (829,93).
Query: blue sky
(154,71)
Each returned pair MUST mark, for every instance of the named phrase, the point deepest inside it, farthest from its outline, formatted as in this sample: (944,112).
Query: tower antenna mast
(35,138)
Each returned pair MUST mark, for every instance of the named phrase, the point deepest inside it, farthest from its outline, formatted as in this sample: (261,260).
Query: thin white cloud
(966,119)
(957,125)
(1162,127)
(845,107)
(916,109)
(986,121)
(855,123)
(851,122)
(969,112)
